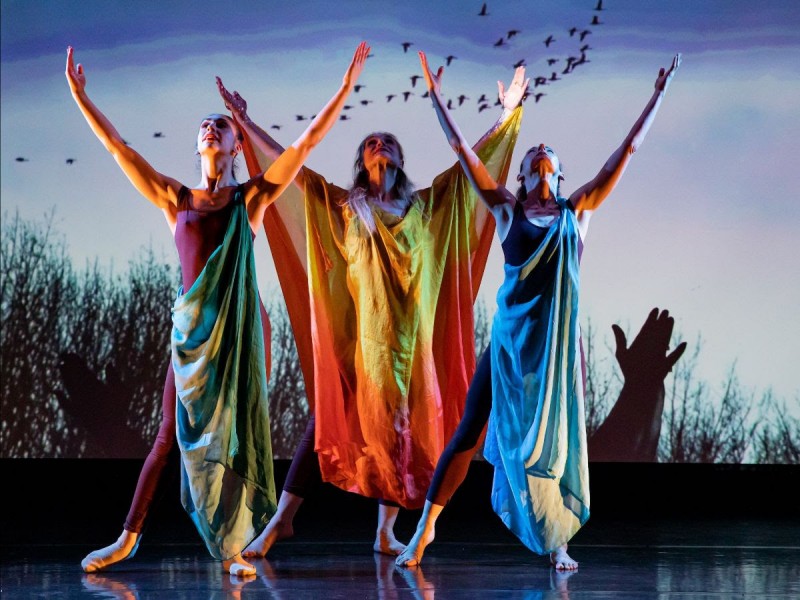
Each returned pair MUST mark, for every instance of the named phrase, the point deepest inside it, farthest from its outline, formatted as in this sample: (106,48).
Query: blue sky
(704,222)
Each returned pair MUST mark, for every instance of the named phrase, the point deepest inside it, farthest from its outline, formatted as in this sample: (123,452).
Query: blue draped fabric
(536,438)
(218,354)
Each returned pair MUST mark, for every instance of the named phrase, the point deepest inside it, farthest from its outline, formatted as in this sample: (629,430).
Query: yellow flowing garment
(384,327)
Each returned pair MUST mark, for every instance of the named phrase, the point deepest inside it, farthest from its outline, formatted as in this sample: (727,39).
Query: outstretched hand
(665,76)
(647,355)
(356,65)
(233,102)
(75,76)
(434,82)
(512,97)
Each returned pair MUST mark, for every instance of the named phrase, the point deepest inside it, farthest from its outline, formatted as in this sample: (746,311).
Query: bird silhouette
(407,45)
(347,107)
(389,97)
(537,81)
(482,99)
(365,102)
(427,94)
(450,59)
(277,127)
(595,20)
(519,63)
(482,107)
(299,118)
(551,61)
(538,96)
(550,39)
(573,31)
(584,48)
(599,5)
(413,79)
(406,95)
(357,87)
(511,33)
(21,159)
(461,99)
(158,134)
(584,33)
(554,77)
(500,42)
(449,105)
(70,161)
(484,12)
(344,118)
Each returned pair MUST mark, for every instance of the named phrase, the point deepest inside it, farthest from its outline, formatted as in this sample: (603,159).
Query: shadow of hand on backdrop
(98,409)
(631,430)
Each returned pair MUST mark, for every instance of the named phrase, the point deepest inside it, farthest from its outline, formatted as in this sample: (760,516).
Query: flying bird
(482,99)
(539,81)
(511,33)
(550,39)
(551,61)
(347,107)
(357,87)
(70,161)
(407,45)
(426,94)
(484,12)
(406,95)
(573,31)
(519,63)
(365,102)
(275,127)
(299,118)
(538,96)
(450,59)
(449,105)
(413,79)
(389,97)
(599,5)
(21,159)
(554,77)
(584,48)
(461,99)
(158,134)
(584,33)
(482,107)
(500,42)
(344,118)
(595,20)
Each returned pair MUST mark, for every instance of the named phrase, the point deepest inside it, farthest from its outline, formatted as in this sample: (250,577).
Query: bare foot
(386,543)
(274,532)
(124,548)
(412,555)
(238,566)
(562,561)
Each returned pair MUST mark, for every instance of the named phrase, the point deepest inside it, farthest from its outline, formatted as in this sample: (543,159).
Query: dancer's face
(540,164)
(383,149)
(218,133)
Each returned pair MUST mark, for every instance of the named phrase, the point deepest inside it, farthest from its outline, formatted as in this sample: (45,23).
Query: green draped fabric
(218,355)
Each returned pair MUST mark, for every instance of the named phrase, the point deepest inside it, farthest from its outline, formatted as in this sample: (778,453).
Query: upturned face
(218,133)
(540,164)
(382,149)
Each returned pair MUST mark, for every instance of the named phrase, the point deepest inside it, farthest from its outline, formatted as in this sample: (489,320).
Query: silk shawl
(536,438)
(218,355)
(384,322)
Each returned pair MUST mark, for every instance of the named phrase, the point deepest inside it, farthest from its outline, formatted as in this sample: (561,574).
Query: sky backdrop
(704,222)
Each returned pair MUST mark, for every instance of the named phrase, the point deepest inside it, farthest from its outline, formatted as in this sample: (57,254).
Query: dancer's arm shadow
(631,430)
(98,409)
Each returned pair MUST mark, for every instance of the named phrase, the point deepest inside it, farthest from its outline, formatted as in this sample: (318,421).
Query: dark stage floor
(656,531)
(716,563)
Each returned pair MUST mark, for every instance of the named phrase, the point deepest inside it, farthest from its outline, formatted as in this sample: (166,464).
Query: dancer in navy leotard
(529,383)
(222,451)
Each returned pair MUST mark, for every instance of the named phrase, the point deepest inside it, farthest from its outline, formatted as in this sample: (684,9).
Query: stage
(683,531)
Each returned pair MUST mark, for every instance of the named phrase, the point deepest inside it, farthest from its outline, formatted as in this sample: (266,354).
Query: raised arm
(493,194)
(157,188)
(589,196)
(266,187)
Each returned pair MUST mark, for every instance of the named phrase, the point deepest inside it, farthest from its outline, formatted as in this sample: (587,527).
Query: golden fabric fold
(390,323)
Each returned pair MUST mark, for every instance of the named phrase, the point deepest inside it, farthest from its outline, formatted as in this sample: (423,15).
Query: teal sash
(218,355)
(536,437)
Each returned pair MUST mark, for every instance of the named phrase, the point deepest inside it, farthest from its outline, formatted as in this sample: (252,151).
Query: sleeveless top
(199,232)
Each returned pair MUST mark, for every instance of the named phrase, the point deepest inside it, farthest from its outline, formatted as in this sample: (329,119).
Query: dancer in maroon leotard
(200,219)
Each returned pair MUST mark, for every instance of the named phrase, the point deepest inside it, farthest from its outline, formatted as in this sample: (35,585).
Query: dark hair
(357,195)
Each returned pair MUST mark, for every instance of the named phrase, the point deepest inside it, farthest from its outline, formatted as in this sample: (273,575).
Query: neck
(217,172)
(382,178)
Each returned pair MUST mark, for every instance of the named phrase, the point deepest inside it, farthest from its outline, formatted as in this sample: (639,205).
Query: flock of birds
(558,67)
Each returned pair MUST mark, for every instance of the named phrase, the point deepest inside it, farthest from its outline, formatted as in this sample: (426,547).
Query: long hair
(357,197)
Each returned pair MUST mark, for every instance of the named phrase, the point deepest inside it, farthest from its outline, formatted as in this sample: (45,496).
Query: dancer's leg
(453,464)
(385,541)
(146,488)
(303,476)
